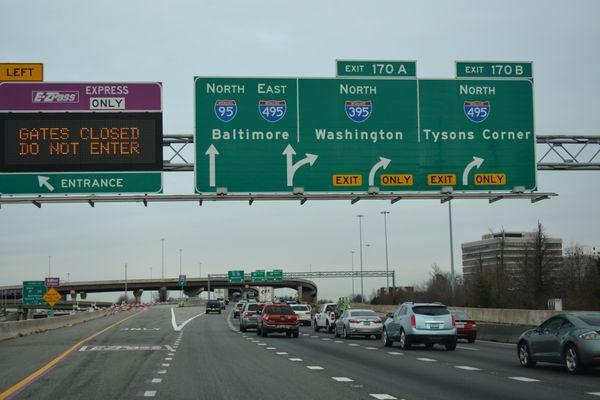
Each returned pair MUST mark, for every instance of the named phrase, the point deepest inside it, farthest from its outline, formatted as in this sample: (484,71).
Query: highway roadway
(180,353)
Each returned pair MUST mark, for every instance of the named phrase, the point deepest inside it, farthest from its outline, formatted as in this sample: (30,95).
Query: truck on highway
(325,317)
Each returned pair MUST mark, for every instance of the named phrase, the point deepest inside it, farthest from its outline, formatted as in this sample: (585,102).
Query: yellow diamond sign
(52,297)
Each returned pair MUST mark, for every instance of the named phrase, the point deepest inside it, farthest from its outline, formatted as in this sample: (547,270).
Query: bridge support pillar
(73,295)
(192,292)
(137,294)
(162,294)
(83,295)
(300,296)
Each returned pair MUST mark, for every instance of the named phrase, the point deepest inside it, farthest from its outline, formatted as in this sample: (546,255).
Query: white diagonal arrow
(383,163)
(212,152)
(45,181)
(475,163)
(291,167)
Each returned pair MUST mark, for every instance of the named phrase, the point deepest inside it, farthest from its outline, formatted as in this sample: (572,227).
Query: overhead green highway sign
(258,276)
(494,69)
(33,292)
(235,276)
(275,276)
(277,135)
(374,69)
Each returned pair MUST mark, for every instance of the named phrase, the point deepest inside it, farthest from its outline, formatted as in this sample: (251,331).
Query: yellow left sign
(52,297)
(32,72)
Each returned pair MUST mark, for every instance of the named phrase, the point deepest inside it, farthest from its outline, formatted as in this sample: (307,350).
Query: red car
(466,328)
(277,317)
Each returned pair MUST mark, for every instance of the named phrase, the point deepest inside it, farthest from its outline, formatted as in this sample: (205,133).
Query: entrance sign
(374,69)
(32,72)
(494,69)
(49,129)
(33,292)
(354,135)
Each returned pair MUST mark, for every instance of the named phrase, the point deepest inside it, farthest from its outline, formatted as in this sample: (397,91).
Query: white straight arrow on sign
(45,181)
(383,163)
(477,161)
(212,152)
(291,168)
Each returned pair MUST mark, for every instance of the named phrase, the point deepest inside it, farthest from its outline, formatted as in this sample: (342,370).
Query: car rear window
(252,307)
(363,314)
(460,315)
(329,308)
(591,319)
(213,303)
(279,310)
(431,310)
(300,308)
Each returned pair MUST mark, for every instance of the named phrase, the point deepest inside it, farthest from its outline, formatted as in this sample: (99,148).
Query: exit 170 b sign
(270,135)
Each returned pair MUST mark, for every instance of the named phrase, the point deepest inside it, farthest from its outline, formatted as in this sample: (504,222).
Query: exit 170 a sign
(270,135)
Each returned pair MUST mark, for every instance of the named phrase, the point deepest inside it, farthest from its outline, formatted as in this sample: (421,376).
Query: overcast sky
(173,41)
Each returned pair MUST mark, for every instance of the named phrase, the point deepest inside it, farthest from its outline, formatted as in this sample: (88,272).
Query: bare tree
(538,271)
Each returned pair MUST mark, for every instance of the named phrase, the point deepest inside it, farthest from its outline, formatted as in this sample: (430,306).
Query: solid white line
(180,327)
(382,396)
(467,368)
(341,379)
(295,359)
(467,348)
(315,367)
(523,379)
(150,393)
(395,353)
(426,359)
(156,380)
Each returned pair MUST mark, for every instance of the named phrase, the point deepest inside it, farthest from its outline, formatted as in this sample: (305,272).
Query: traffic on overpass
(299,200)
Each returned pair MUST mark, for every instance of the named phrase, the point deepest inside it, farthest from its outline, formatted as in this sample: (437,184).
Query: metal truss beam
(557,152)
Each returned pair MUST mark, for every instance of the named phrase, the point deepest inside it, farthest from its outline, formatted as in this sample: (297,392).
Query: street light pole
(180,285)
(387,262)
(163,258)
(362,294)
(49,264)
(199,269)
(126,283)
(352,252)
(452,277)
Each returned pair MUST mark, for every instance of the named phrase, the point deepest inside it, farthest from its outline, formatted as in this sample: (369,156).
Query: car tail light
(266,317)
(354,321)
(247,314)
(453,321)
(413,321)
(377,321)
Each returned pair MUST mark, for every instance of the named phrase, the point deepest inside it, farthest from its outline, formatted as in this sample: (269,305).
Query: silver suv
(424,323)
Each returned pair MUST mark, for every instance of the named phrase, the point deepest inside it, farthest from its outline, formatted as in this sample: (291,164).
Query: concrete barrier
(12,329)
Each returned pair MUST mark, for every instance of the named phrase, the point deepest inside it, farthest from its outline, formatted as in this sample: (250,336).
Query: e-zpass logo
(55,96)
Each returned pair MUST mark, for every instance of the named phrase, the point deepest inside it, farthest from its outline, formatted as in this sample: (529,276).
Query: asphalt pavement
(181,353)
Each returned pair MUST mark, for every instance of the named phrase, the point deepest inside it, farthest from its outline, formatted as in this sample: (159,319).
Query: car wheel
(385,339)
(450,345)
(257,331)
(316,326)
(264,333)
(572,360)
(404,344)
(525,355)
(345,333)
(335,333)
(242,328)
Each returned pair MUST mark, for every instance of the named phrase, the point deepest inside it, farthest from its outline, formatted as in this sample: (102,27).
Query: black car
(213,306)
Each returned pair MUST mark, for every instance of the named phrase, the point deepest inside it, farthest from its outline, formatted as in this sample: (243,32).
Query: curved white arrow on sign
(291,168)
(477,161)
(212,152)
(383,163)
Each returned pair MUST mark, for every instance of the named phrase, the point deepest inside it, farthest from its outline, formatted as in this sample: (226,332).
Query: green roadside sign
(276,135)
(494,69)
(33,292)
(81,182)
(235,276)
(275,276)
(374,69)
(258,276)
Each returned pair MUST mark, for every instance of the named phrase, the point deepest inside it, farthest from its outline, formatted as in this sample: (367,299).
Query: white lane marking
(83,348)
(255,341)
(305,334)
(371,348)
(498,343)
(314,367)
(295,359)
(467,368)
(467,348)
(426,359)
(168,358)
(523,379)
(150,393)
(162,371)
(354,345)
(594,393)
(382,396)
(395,353)
(342,379)
(156,380)
(169,347)
(171,354)
(178,328)
(281,353)
(262,344)
(338,341)
(271,348)
(166,365)
(326,338)
(314,336)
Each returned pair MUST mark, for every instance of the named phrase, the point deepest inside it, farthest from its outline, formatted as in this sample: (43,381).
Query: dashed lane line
(166,365)
(371,348)
(342,379)
(161,371)
(523,379)
(354,345)
(382,396)
(314,367)
(338,341)
(467,368)
(271,348)
(395,353)
(149,393)
(295,359)
(426,359)
(594,393)
(156,380)
(281,353)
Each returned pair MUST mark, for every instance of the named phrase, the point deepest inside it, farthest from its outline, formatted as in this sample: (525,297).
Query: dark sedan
(572,339)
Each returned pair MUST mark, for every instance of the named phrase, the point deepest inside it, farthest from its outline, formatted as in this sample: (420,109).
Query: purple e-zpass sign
(52,282)
(80,96)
